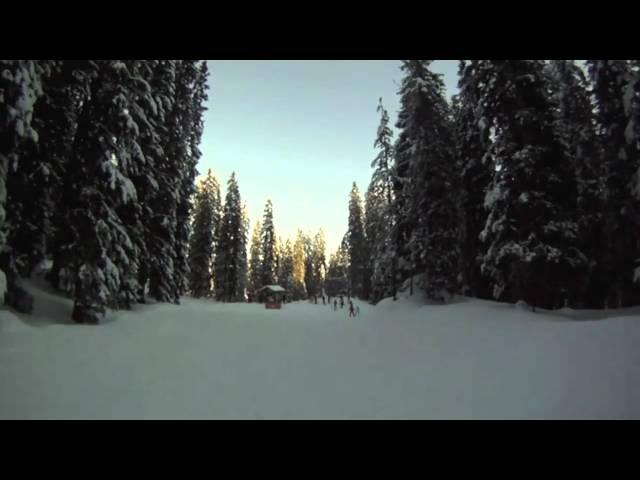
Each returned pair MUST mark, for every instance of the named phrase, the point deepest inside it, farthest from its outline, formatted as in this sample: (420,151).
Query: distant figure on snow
(352,312)
(341,302)
(323,302)
(357,310)
(335,304)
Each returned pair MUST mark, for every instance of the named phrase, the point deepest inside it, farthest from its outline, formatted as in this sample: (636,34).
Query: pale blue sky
(300,132)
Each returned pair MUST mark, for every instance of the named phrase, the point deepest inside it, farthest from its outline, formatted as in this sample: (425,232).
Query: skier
(323,302)
(335,305)
(352,312)
(315,299)
(357,310)
(341,302)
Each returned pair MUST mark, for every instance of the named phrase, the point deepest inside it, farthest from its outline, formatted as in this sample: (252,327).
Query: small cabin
(272,296)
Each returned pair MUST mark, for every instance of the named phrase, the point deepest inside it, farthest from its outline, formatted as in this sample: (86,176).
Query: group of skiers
(354,310)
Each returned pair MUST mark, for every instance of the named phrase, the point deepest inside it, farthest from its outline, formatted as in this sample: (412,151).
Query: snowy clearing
(403,360)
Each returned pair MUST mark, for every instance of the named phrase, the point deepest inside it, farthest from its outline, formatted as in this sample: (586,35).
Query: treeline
(97,169)
(220,269)
(524,187)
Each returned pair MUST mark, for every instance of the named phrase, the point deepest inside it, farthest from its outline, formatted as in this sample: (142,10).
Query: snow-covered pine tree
(426,162)
(357,252)
(193,77)
(255,258)
(30,186)
(619,168)
(68,90)
(375,230)
(229,244)
(286,267)
(102,245)
(476,168)
(278,255)
(243,264)
(142,147)
(309,274)
(20,87)
(343,259)
(162,207)
(202,243)
(575,128)
(530,231)
(319,260)
(153,87)
(299,287)
(378,213)
(405,220)
(267,241)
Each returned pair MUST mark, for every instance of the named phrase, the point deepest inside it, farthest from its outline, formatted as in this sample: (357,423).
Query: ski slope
(398,360)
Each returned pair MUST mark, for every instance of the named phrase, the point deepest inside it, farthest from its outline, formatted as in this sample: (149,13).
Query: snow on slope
(470,359)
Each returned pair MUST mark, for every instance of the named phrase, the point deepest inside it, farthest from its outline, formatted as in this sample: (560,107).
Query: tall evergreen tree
(102,246)
(379,217)
(32,187)
(405,220)
(227,262)
(357,246)
(619,166)
(255,258)
(143,147)
(243,264)
(299,287)
(426,164)
(278,255)
(531,236)
(285,277)
(309,274)
(377,228)
(194,81)
(268,241)
(162,224)
(20,88)
(476,169)
(202,243)
(154,86)
(575,129)
(66,94)
(319,260)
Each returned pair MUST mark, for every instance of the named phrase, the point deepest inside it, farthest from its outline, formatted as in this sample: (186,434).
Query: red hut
(272,296)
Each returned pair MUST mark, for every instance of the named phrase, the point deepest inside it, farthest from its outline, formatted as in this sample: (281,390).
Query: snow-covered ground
(402,360)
